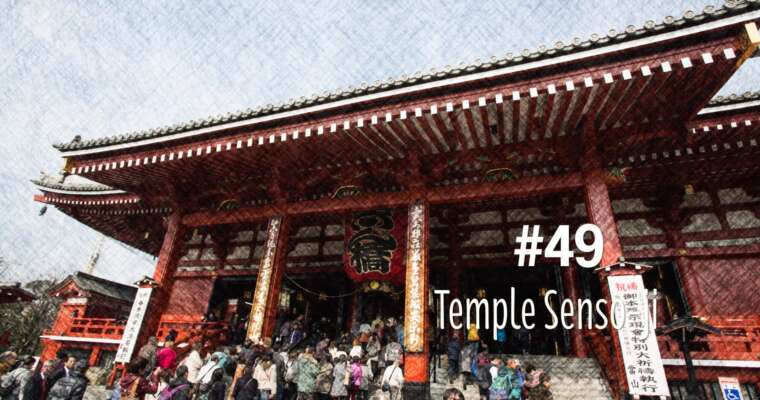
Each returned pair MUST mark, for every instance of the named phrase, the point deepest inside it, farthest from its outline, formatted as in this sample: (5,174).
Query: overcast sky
(109,68)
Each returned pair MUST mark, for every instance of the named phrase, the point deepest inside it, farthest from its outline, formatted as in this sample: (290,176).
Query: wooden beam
(448,194)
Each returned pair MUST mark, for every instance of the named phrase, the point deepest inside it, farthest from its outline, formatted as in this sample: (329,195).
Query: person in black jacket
(453,348)
(39,384)
(246,387)
(179,386)
(71,387)
(218,386)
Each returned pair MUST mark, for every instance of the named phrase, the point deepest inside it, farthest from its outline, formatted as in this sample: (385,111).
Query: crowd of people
(495,378)
(300,363)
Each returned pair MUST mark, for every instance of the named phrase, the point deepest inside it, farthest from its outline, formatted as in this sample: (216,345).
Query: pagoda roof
(13,292)
(101,286)
(732,12)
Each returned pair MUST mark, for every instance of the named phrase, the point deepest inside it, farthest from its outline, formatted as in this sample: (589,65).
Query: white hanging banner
(134,323)
(638,342)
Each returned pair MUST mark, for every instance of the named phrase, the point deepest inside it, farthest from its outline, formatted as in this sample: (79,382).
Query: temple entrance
(375,300)
(528,283)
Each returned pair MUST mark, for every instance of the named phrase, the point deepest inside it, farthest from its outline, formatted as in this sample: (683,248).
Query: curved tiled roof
(690,18)
(57,183)
(734,98)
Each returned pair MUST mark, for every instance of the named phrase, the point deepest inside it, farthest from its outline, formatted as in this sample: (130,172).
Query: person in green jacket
(306,377)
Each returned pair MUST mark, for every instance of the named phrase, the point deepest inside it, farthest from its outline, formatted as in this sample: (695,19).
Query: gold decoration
(347,191)
(499,175)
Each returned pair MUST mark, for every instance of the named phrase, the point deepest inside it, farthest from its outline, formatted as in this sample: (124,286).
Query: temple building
(349,205)
(90,320)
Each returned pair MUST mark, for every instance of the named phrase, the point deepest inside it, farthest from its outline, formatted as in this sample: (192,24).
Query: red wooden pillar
(416,324)
(695,300)
(163,277)
(570,282)
(599,211)
(261,322)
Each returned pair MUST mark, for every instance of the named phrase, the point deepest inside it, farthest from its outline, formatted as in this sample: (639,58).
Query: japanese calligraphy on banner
(638,342)
(375,246)
(134,323)
(416,275)
(263,281)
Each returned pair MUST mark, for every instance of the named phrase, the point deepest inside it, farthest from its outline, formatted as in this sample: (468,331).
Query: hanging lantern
(480,293)
(284,300)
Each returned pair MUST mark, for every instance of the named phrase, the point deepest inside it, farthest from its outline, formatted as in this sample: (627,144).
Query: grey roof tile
(669,23)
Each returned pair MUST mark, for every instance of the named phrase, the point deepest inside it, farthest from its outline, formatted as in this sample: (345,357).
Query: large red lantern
(375,245)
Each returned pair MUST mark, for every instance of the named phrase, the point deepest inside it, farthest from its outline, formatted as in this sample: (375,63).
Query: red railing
(105,328)
(739,340)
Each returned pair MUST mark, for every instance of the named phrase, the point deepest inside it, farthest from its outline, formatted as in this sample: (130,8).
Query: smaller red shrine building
(90,320)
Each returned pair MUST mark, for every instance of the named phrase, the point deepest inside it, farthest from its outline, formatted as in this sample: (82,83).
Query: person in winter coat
(246,388)
(218,386)
(465,364)
(71,387)
(265,374)
(394,378)
(483,376)
(194,363)
(367,377)
(354,378)
(14,384)
(306,377)
(134,383)
(541,391)
(39,385)
(179,388)
(453,348)
(148,352)
(339,389)
(324,378)
(166,358)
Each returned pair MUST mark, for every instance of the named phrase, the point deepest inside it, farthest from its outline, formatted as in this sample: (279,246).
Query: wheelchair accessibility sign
(730,388)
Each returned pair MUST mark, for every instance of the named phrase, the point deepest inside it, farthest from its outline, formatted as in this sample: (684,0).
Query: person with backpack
(13,385)
(500,381)
(517,379)
(393,380)
(133,385)
(73,386)
(178,387)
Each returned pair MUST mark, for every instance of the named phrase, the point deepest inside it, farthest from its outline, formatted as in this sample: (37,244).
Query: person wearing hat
(13,384)
(71,387)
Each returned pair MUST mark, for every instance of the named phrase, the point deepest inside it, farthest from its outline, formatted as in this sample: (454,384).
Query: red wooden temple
(247,211)
(90,319)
